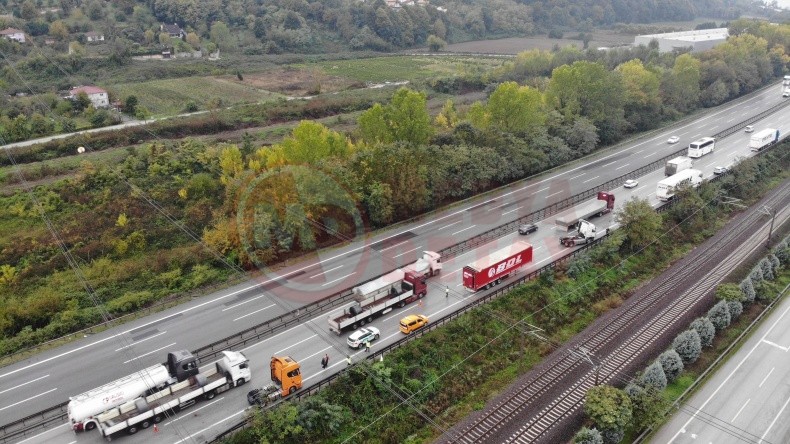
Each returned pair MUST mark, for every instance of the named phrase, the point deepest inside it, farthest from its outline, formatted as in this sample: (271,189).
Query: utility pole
(770,212)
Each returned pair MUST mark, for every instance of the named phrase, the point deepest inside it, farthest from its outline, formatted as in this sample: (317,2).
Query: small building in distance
(173,30)
(13,34)
(699,40)
(93,36)
(98,96)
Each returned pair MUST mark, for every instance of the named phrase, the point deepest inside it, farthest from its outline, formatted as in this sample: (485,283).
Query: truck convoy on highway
(83,408)
(677,165)
(231,371)
(584,233)
(599,207)
(667,188)
(286,376)
(763,139)
(490,270)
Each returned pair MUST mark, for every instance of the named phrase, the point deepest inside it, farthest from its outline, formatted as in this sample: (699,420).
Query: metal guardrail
(297,316)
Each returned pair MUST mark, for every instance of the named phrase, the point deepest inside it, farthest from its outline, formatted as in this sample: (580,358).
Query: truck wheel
(145,424)
(355,326)
(362,322)
(90,426)
(209,395)
(240,382)
(158,419)
(401,304)
(370,319)
(291,390)
(132,430)
(421,295)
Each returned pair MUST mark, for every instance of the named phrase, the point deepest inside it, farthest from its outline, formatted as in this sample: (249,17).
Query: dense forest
(250,202)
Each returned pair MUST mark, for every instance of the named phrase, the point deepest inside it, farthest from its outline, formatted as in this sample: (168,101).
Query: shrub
(776,264)
(130,302)
(672,364)
(613,436)
(729,292)
(648,405)
(705,329)
(782,252)
(588,436)
(688,346)
(736,308)
(555,34)
(756,274)
(654,376)
(767,269)
(747,287)
(719,315)
(608,407)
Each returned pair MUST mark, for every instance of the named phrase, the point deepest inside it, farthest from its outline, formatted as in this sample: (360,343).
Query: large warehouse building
(696,40)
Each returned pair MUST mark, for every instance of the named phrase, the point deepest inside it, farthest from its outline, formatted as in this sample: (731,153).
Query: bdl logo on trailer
(489,271)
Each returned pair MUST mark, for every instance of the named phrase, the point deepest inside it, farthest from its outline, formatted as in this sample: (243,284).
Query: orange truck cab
(286,373)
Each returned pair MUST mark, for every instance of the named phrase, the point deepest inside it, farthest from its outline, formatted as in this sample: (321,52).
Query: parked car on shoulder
(630,183)
(673,139)
(412,322)
(527,228)
(720,170)
(749,128)
(365,334)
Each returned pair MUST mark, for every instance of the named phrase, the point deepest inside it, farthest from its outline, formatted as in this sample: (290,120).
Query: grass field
(168,97)
(411,68)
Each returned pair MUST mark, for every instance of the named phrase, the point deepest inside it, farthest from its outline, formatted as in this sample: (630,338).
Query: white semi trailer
(667,188)
(83,408)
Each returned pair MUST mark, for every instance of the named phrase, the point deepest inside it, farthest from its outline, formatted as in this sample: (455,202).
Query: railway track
(555,391)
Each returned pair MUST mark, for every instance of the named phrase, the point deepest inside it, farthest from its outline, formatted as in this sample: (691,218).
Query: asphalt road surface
(747,399)
(51,377)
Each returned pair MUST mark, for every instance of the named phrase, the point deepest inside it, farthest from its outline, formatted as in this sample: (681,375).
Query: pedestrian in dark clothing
(325,361)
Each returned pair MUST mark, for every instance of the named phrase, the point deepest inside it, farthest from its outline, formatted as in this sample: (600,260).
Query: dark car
(527,228)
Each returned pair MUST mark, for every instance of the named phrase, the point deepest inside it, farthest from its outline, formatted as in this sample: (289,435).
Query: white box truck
(668,187)
(763,139)
(677,165)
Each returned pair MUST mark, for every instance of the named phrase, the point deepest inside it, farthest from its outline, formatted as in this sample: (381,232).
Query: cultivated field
(170,96)
(514,45)
(411,68)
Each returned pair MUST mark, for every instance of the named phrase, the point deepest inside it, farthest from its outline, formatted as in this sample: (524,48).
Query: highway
(50,377)
(747,399)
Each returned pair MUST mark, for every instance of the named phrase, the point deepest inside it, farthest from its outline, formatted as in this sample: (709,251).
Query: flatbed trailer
(603,204)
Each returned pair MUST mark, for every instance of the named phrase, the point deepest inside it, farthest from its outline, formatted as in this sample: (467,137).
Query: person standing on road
(348,360)
(447,291)
(367,345)
(323,362)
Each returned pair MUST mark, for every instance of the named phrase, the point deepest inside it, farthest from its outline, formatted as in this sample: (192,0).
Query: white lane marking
(639,188)
(710,164)
(592,178)
(150,352)
(554,194)
(784,349)
(605,165)
(254,312)
(577,176)
(621,167)
(199,432)
(28,399)
(65,424)
(294,345)
(467,228)
(774,421)
(399,255)
(741,409)
(645,157)
(637,152)
(24,383)
(338,279)
(444,275)
(514,209)
(392,246)
(193,411)
(766,377)
(723,383)
(325,272)
(450,225)
(695,136)
(138,342)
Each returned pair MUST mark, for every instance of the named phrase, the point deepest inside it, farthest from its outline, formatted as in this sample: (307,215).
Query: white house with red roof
(98,96)
(13,34)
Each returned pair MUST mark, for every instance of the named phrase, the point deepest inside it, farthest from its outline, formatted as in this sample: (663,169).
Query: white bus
(668,187)
(700,147)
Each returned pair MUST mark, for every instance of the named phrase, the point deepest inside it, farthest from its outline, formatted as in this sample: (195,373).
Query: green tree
(279,424)
(164,39)
(435,44)
(220,35)
(671,363)
(404,119)
(516,109)
(747,288)
(705,330)
(193,40)
(588,89)
(640,222)
(58,30)
(688,346)
(28,10)
(379,204)
(648,405)
(608,407)
(641,90)
(719,315)
(683,87)
(729,292)
(130,104)
(309,143)
(8,274)
(654,376)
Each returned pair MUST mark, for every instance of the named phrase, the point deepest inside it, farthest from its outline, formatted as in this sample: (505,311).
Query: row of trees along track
(546,404)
